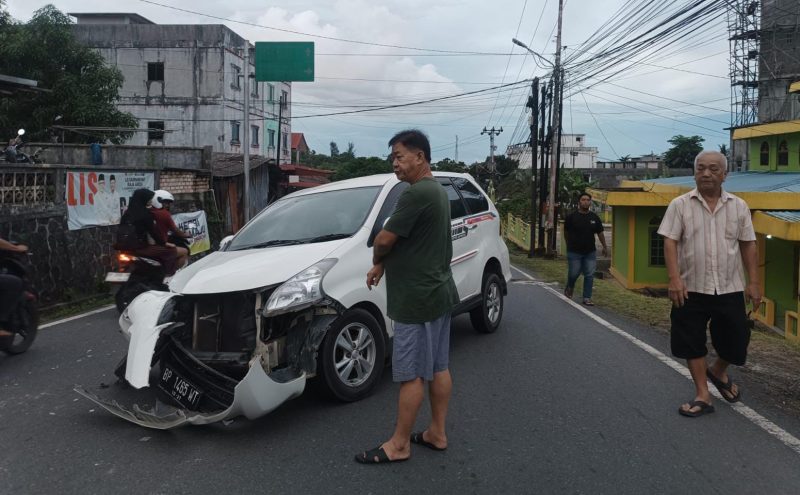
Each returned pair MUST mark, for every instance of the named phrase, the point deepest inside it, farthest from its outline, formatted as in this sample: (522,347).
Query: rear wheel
(486,317)
(352,356)
(26,325)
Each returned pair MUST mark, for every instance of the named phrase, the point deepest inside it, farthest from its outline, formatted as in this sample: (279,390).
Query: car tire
(486,317)
(352,356)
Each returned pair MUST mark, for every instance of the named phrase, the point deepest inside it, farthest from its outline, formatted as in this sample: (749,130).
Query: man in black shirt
(580,227)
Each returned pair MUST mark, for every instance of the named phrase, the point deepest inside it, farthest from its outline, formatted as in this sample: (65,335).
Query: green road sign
(285,61)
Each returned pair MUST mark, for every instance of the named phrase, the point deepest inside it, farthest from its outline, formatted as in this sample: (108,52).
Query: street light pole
(246,139)
(533,103)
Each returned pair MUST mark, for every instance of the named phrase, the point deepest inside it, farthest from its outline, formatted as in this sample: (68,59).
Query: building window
(255,88)
(271,137)
(155,131)
(783,153)
(271,93)
(235,132)
(155,71)
(764,154)
(285,143)
(284,99)
(656,243)
(237,75)
(254,136)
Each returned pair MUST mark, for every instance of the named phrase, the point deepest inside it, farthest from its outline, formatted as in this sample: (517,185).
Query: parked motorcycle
(14,155)
(137,274)
(24,321)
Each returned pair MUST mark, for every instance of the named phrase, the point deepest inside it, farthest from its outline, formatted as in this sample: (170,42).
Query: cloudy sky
(682,88)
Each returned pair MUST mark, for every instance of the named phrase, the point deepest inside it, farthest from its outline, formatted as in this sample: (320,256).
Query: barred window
(783,153)
(656,243)
(764,153)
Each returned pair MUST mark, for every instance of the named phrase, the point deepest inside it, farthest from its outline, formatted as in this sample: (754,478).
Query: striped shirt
(709,259)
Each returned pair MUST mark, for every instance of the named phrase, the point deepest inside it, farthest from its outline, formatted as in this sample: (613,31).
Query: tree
(5,18)
(624,159)
(571,184)
(81,88)
(334,149)
(684,150)
(351,150)
(723,148)
(449,165)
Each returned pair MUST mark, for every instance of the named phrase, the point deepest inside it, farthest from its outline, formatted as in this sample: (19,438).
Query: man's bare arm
(382,246)
(749,251)
(677,289)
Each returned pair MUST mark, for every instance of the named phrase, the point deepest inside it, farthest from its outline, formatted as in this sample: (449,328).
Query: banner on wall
(100,198)
(194,223)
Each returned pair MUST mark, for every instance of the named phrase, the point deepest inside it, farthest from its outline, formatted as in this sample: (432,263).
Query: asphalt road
(554,402)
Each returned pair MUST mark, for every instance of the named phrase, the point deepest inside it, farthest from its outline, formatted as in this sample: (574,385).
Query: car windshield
(309,218)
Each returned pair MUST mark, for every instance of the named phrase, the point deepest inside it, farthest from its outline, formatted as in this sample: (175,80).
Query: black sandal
(725,388)
(418,439)
(705,408)
(376,456)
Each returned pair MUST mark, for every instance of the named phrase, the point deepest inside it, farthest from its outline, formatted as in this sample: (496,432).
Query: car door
(481,227)
(462,249)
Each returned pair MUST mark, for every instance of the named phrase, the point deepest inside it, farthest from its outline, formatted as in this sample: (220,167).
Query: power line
(332,38)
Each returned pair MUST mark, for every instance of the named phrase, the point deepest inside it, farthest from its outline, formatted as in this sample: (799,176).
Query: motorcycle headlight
(301,291)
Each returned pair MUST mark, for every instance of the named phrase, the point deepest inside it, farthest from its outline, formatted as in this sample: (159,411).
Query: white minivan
(285,299)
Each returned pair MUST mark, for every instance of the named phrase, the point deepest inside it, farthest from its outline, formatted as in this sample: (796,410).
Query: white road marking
(82,315)
(776,431)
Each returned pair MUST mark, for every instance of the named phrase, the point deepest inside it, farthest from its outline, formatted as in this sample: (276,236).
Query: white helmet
(162,195)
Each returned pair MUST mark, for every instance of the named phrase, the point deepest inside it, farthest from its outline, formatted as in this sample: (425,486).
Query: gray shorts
(420,350)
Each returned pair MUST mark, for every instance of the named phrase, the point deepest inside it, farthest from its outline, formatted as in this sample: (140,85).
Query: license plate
(116,277)
(179,388)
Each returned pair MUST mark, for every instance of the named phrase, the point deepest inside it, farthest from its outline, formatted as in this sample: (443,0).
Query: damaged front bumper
(193,376)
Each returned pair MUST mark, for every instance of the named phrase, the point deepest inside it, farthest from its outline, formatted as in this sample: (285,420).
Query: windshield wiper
(326,237)
(276,242)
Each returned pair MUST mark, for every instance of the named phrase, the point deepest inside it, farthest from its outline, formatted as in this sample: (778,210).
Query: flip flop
(376,456)
(724,387)
(705,408)
(418,439)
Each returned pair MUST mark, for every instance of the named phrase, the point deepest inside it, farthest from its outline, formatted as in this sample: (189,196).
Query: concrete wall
(793,145)
(198,159)
(201,94)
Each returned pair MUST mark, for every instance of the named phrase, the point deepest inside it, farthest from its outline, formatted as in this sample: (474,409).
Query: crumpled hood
(230,271)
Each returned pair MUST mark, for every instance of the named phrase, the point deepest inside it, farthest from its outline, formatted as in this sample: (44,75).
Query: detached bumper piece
(200,394)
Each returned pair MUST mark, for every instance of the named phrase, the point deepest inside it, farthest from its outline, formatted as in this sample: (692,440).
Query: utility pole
(246,139)
(545,140)
(533,104)
(492,133)
(556,143)
(560,104)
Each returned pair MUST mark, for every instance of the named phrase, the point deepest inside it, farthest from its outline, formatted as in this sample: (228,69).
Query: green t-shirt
(419,283)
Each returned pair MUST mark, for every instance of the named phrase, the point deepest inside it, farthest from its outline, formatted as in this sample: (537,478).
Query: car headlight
(301,291)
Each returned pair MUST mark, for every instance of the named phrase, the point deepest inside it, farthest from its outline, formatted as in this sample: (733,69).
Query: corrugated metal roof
(786,216)
(785,182)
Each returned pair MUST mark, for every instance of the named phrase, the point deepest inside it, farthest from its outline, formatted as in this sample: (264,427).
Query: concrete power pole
(556,142)
(246,130)
(492,133)
(533,104)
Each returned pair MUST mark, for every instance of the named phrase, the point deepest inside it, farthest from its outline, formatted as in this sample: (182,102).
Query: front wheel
(26,325)
(486,317)
(352,356)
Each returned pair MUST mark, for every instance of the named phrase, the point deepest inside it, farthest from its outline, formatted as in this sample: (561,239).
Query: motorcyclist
(162,204)
(10,292)
(11,150)
(151,242)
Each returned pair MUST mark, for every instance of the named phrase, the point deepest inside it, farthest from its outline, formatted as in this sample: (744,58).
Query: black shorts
(730,333)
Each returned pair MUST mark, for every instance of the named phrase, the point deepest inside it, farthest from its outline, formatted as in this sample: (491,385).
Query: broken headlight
(301,291)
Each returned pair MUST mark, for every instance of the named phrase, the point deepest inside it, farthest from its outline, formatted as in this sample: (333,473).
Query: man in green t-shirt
(415,249)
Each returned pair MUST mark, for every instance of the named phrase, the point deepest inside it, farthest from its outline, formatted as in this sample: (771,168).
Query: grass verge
(67,309)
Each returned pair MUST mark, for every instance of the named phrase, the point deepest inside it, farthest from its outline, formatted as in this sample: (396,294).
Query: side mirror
(224,242)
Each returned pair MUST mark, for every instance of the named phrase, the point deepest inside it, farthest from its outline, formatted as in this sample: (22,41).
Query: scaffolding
(743,28)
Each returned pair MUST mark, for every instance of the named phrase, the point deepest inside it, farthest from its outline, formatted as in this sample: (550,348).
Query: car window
(475,200)
(457,208)
(308,218)
(386,210)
